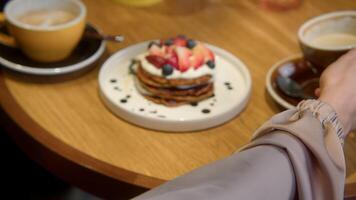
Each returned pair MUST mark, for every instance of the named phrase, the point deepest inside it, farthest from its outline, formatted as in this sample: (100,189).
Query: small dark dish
(298,70)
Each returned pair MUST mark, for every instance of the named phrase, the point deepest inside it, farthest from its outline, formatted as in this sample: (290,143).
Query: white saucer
(119,94)
(86,53)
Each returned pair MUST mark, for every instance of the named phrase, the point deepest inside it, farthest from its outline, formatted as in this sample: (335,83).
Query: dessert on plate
(175,71)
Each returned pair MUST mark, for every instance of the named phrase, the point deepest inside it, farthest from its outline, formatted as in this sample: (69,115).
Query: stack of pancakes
(176,71)
(173,92)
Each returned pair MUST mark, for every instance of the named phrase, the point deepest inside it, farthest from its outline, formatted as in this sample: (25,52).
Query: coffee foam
(334,40)
(46,18)
(16,8)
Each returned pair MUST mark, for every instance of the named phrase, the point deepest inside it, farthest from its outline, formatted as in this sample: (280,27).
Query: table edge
(70,154)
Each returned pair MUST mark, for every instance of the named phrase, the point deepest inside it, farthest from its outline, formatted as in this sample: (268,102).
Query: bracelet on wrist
(325,114)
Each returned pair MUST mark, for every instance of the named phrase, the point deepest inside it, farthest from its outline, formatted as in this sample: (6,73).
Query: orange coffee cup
(51,39)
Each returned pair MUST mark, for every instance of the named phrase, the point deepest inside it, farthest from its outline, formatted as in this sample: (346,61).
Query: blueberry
(167,69)
(168,42)
(191,44)
(211,64)
(152,43)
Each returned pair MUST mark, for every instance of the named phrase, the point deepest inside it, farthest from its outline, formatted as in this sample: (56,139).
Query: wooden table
(62,123)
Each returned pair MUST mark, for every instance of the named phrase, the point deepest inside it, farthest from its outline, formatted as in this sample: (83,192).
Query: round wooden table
(62,123)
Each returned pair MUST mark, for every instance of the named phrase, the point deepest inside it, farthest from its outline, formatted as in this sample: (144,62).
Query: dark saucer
(297,69)
(87,52)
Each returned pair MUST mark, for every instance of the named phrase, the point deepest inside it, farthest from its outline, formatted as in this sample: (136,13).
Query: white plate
(86,53)
(119,94)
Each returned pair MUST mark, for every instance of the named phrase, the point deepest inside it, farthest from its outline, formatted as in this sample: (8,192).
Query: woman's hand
(338,88)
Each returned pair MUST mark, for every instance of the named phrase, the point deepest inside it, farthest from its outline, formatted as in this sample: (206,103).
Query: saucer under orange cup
(86,52)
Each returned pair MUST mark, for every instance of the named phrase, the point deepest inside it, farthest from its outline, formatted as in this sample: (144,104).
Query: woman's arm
(338,88)
(264,172)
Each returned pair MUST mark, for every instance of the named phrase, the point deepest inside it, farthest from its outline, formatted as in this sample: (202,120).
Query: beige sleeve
(295,155)
(315,152)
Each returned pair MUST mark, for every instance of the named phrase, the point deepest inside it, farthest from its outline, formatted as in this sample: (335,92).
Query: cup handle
(2,17)
(4,38)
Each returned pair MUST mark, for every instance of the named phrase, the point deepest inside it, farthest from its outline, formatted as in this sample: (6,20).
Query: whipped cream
(189,74)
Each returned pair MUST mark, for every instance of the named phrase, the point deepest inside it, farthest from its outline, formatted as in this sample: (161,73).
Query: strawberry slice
(201,49)
(180,41)
(197,61)
(183,58)
(173,60)
(156,51)
(209,55)
(155,60)
(169,50)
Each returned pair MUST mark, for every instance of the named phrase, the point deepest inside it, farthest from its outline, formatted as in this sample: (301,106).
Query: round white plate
(232,87)
(86,53)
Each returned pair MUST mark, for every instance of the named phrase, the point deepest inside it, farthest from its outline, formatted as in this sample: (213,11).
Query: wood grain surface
(67,116)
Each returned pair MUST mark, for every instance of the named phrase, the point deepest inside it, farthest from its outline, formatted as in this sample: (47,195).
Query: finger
(317,92)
